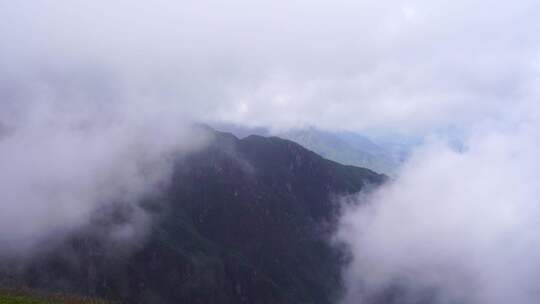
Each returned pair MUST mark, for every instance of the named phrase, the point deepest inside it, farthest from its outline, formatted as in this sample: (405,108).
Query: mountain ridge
(344,147)
(243,221)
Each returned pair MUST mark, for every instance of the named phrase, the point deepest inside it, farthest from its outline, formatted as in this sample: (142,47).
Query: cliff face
(243,221)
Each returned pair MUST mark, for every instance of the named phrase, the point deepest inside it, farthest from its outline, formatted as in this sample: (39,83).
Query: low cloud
(410,66)
(456,226)
(58,169)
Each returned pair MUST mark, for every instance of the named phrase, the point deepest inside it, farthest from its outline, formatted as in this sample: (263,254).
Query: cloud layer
(454,227)
(392,65)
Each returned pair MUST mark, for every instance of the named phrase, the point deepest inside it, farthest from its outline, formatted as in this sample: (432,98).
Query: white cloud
(127,66)
(61,165)
(462,224)
(391,65)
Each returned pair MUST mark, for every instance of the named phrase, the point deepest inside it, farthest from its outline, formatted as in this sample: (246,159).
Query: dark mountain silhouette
(243,221)
(383,155)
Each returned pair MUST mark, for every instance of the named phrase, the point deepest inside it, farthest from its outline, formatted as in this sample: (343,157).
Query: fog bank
(456,226)
(58,168)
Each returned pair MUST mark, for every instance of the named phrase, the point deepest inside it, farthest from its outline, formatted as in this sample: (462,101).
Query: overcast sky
(410,66)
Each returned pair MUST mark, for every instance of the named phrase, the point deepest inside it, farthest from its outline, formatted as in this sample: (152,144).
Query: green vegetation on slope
(242,221)
(31,297)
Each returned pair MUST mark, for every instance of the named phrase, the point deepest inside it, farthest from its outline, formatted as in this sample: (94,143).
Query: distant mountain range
(243,221)
(381,155)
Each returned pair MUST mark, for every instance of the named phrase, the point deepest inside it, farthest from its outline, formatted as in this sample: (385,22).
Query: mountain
(345,147)
(242,221)
(350,148)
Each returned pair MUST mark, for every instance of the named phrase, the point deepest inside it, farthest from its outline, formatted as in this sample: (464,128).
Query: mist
(455,226)
(96,100)
(408,66)
(56,172)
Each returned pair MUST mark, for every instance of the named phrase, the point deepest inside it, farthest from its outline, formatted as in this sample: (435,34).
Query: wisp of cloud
(59,167)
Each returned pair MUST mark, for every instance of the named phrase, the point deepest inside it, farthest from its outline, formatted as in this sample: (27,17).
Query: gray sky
(411,66)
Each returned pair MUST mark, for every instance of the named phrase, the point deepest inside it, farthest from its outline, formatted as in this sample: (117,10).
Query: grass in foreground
(31,297)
